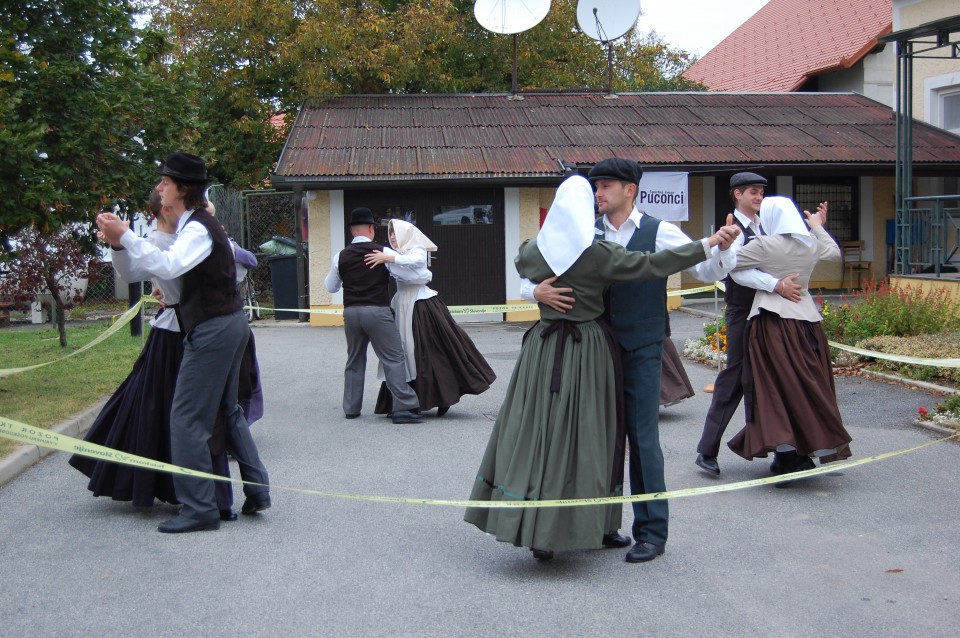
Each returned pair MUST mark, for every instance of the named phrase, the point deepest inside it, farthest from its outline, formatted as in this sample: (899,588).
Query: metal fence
(928,235)
(252,218)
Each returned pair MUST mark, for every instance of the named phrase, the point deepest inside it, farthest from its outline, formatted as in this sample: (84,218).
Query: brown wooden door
(465,224)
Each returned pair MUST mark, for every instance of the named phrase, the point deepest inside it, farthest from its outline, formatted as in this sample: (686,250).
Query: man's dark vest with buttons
(362,285)
(210,287)
(737,295)
(638,309)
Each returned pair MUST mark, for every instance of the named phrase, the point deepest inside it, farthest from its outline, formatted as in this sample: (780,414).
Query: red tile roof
(787,42)
(404,138)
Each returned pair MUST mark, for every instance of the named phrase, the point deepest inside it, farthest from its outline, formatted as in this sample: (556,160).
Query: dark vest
(638,309)
(362,285)
(210,287)
(737,295)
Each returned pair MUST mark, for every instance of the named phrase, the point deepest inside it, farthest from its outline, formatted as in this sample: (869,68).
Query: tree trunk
(61,319)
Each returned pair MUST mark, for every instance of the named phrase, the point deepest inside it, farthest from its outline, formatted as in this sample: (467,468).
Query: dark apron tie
(564,329)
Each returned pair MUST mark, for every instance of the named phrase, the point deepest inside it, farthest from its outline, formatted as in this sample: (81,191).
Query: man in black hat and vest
(215,334)
(638,314)
(368,319)
(747,191)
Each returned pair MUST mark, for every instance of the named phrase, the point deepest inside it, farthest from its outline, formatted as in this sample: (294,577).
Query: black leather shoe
(255,503)
(615,539)
(781,463)
(406,416)
(643,552)
(352,416)
(182,525)
(542,554)
(228,515)
(443,409)
(708,463)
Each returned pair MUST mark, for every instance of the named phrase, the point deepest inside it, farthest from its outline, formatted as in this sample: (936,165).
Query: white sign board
(664,196)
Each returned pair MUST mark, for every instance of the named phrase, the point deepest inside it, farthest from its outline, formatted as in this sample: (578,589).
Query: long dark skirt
(560,444)
(675,385)
(136,419)
(448,363)
(795,402)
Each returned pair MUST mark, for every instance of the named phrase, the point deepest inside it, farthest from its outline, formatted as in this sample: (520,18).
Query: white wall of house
(933,79)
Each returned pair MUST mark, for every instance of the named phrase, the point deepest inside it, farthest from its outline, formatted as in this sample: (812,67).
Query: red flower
(922,411)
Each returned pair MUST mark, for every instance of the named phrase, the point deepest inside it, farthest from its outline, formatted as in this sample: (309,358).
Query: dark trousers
(728,389)
(641,390)
(207,383)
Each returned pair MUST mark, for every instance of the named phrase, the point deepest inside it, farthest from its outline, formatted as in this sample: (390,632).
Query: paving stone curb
(25,456)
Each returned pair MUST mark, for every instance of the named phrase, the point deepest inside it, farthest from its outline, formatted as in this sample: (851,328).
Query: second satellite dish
(510,16)
(607,20)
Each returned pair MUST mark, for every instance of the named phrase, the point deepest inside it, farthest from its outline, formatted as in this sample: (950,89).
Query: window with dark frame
(843,197)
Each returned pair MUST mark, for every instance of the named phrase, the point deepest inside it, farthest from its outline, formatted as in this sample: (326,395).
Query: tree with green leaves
(260,59)
(87,105)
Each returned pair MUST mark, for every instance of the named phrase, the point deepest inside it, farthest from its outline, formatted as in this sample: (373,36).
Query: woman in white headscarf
(556,434)
(442,362)
(794,413)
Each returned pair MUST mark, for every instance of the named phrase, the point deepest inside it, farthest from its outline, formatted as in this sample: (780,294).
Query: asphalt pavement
(866,551)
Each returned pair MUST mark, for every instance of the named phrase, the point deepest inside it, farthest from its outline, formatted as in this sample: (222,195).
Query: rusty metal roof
(411,138)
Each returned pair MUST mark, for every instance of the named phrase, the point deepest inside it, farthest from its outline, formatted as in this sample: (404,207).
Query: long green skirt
(553,445)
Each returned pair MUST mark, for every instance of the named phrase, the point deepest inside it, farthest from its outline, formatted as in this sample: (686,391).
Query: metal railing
(928,235)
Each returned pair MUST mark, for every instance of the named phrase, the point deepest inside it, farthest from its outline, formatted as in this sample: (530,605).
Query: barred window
(843,196)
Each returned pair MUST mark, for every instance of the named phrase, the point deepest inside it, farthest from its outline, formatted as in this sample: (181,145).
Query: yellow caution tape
(123,320)
(474,310)
(45,438)
(920,361)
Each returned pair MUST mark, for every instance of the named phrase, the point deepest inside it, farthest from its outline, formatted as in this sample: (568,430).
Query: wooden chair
(853,262)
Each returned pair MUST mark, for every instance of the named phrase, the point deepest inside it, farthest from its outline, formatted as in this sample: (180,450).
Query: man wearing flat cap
(638,313)
(747,191)
(215,335)
(368,319)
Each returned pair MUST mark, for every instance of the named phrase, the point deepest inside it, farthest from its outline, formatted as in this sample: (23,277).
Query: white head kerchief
(408,236)
(779,216)
(568,229)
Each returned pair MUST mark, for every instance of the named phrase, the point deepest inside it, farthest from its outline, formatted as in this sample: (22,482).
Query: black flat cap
(740,180)
(360,216)
(184,167)
(616,168)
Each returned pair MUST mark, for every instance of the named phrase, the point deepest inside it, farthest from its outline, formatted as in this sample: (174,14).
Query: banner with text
(664,196)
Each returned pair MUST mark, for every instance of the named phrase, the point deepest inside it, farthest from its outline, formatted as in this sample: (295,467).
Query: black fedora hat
(184,167)
(616,168)
(360,216)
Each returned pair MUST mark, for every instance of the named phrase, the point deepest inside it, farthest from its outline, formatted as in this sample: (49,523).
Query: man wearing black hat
(368,319)
(215,335)
(746,190)
(638,313)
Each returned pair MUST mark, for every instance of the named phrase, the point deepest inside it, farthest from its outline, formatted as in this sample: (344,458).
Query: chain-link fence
(253,218)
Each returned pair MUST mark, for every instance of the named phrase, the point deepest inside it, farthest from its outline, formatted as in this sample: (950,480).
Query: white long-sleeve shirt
(192,246)
(753,278)
(669,236)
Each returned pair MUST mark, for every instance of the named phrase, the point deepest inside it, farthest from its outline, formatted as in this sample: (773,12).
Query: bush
(933,346)
(879,309)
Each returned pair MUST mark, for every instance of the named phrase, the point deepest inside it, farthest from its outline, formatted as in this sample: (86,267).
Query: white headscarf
(409,236)
(568,229)
(779,216)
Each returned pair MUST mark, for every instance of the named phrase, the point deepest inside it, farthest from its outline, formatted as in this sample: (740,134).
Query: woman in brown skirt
(443,364)
(794,413)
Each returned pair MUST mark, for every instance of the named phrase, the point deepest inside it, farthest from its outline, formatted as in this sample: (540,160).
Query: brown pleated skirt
(675,385)
(448,363)
(795,402)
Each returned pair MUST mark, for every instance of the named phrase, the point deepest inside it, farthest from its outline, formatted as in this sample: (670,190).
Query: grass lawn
(53,393)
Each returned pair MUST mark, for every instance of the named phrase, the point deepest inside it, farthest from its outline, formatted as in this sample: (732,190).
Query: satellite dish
(510,16)
(607,20)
